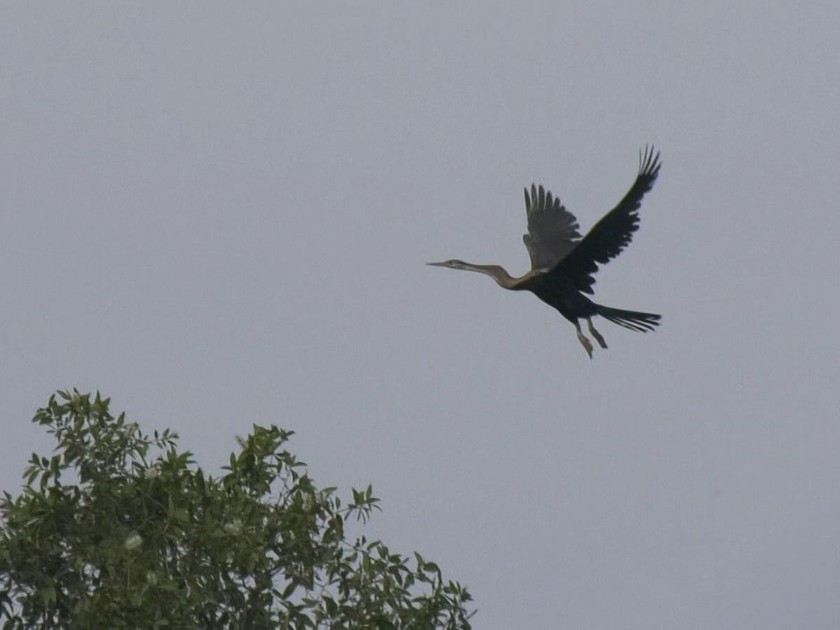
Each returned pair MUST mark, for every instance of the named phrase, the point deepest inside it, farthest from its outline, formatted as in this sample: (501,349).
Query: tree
(120,529)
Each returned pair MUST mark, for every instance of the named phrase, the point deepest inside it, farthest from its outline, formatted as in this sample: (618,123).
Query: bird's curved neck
(502,277)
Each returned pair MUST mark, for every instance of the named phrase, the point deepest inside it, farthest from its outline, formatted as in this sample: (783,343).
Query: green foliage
(120,529)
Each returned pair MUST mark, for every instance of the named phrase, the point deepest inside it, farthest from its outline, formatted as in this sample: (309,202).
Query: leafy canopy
(120,529)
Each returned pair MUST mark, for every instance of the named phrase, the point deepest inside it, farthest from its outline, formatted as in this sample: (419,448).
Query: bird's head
(451,264)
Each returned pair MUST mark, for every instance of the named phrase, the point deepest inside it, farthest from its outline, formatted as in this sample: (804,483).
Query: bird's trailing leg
(596,334)
(587,345)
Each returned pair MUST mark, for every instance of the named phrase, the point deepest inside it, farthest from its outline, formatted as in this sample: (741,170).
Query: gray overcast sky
(218,214)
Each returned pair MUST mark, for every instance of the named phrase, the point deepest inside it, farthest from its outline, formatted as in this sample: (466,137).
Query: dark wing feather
(608,238)
(552,230)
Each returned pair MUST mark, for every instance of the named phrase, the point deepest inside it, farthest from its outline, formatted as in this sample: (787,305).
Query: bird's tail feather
(641,322)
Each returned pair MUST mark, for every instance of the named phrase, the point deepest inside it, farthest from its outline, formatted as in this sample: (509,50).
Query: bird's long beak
(437,264)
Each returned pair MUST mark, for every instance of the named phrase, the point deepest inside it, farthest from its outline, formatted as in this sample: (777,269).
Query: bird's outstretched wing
(552,230)
(608,238)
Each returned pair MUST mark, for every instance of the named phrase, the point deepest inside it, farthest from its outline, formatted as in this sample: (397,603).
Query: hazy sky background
(218,214)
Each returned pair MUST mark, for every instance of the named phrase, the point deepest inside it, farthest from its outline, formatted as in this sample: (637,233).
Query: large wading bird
(563,265)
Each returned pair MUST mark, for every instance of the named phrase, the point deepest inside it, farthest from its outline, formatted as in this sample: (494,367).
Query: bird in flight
(563,264)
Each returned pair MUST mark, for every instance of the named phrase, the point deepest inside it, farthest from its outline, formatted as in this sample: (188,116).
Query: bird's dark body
(563,264)
(562,295)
